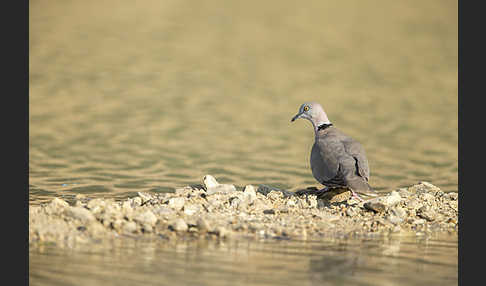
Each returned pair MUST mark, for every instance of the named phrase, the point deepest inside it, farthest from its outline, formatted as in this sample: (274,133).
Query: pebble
(202,224)
(452,196)
(145,197)
(177,203)
(213,187)
(180,225)
(351,212)
(375,206)
(80,213)
(191,209)
(129,227)
(426,213)
(249,194)
(146,218)
(270,211)
(57,202)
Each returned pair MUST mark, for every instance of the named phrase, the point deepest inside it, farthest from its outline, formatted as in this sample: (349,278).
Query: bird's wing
(354,149)
(324,163)
(330,162)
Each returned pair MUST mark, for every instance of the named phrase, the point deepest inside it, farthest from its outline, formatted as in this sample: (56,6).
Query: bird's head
(313,112)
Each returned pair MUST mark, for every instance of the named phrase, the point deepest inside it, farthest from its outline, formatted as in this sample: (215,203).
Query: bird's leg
(355,195)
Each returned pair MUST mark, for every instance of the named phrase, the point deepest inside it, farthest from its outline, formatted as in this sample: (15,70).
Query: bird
(336,159)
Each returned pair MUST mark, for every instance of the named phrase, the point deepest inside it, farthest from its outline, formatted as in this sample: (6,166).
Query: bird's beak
(296,117)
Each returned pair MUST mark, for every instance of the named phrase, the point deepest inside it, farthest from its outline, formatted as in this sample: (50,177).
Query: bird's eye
(306,108)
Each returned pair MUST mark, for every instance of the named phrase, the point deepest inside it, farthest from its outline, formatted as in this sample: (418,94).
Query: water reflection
(400,260)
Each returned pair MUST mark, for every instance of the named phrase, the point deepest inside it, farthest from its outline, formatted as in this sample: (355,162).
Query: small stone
(391,199)
(129,227)
(183,191)
(275,195)
(117,224)
(418,221)
(57,202)
(399,212)
(234,202)
(431,188)
(136,202)
(426,213)
(291,203)
(413,204)
(427,197)
(191,209)
(221,231)
(394,219)
(144,196)
(80,213)
(423,187)
(177,203)
(213,187)
(249,194)
(270,211)
(375,206)
(404,193)
(264,189)
(96,205)
(96,229)
(127,207)
(222,188)
(210,182)
(180,225)
(164,210)
(202,224)
(146,218)
(351,212)
(147,228)
(452,196)
(453,205)
(312,201)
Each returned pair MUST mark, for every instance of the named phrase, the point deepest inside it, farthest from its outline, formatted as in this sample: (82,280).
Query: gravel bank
(218,211)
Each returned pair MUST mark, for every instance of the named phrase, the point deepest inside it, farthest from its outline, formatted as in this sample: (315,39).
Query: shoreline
(219,211)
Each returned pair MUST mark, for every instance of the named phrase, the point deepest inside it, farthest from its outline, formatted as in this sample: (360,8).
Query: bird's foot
(355,195)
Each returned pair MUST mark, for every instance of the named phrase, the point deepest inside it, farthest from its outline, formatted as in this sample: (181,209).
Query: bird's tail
(362,187)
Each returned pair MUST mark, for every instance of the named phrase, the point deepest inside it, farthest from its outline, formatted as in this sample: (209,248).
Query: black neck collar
(323,126)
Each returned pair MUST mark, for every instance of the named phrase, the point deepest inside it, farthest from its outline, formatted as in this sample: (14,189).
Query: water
(150,97)
(398,261)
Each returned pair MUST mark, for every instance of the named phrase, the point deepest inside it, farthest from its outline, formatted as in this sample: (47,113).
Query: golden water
(153,95)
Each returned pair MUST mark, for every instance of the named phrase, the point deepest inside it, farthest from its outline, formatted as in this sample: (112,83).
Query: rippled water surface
(398,261)
(153,95)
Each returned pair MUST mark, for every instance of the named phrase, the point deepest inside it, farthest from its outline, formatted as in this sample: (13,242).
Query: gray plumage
(336,159)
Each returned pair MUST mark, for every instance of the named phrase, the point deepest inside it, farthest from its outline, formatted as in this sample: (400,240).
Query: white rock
(213,187)
(249,193)
(146,217)
(59,203)
(177,203)
(80,213)
(129,227)
(144,196)
(392,199)
(191,209)
(137,201)
(210,182)
(180,225)
(222,188)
